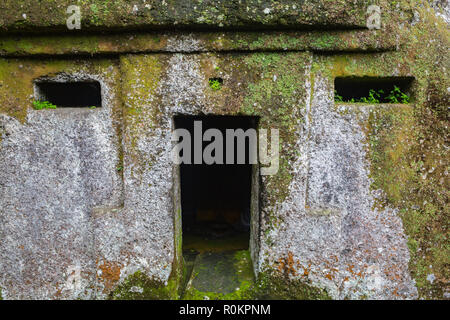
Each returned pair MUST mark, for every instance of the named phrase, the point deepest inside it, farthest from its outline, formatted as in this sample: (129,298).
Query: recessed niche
(70,94)
(373,89)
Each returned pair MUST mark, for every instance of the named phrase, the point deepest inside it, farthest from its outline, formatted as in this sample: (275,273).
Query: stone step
(221,275)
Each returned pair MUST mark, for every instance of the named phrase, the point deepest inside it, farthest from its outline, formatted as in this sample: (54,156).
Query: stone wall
(89,200)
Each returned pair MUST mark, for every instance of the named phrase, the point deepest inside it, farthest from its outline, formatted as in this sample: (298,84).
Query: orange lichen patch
(329,276)
(287,265)
(395,292)
(110,274)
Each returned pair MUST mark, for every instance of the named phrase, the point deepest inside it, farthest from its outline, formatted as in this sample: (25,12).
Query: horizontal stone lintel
(97,44)
(49,15)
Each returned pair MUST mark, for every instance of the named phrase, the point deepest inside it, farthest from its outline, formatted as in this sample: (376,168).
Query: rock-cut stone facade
(90,201)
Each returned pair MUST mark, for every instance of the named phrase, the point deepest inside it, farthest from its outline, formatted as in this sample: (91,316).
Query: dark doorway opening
(215,198)
(70,94)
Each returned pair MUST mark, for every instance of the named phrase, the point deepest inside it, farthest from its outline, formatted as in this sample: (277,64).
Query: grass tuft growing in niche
(395,96)
(39,105)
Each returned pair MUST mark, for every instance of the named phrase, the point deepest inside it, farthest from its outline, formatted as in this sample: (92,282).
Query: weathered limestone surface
(87,44)
(336,238)
(89,200)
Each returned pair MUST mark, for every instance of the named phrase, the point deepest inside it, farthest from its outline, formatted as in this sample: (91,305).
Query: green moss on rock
(140,80)
(277,95)
(409,160)
(274,286)
(391,132)
(139,286)
(245,291)
(17,79)
(406,144)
